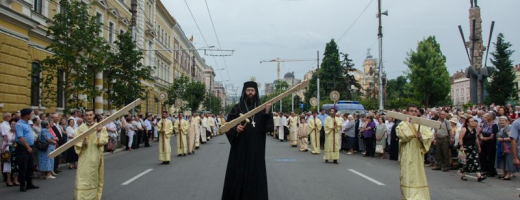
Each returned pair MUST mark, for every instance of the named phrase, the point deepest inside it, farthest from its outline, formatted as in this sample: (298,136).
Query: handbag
(6,156)
(462,156)
(40,145)
(505,148)
(380,149)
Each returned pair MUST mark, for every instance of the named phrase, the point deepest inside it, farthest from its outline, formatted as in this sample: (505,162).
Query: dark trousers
(442,153)
(322,137)
(356,141)
(369,146)
(57,163)
(488,156)
(25,164)
(147,138)
(139,138)
(135,143)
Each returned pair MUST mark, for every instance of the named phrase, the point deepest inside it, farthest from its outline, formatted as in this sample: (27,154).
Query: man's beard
(249,101)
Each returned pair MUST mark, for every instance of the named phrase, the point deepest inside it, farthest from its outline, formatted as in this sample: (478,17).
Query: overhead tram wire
(202,35)
(218,41)
(352,25)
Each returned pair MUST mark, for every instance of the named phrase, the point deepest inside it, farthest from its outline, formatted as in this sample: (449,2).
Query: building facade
(459,88)
(23,25)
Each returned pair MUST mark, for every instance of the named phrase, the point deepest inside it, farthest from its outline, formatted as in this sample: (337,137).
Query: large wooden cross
(414,120)
(81,136)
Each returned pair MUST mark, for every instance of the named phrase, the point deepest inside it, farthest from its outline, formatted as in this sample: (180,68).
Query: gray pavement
(291,175)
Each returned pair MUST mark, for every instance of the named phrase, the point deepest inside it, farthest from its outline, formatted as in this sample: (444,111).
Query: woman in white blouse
(72,157)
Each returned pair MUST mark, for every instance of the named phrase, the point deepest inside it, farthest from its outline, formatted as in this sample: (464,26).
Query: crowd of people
(481,139)
(52,130)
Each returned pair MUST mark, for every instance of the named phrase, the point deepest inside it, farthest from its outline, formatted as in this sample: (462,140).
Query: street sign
(302,106)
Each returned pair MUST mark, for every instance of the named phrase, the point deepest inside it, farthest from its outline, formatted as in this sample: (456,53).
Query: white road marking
(366,177)
(136,177)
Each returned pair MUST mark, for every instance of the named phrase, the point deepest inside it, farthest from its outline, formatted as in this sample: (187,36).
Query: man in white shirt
(148,129)
(203,129)
(137,125)
(74,116)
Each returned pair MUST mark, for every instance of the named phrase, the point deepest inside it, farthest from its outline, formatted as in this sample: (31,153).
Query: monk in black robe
(394,142)
(246,176)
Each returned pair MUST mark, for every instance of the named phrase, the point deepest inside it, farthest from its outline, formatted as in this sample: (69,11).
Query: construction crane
(278,60)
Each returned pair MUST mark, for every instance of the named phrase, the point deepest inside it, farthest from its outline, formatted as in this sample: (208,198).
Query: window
(176,48)
(121,32)
(110,32)
(149,10)
(35,85)
(61,91)
(37,6)
(99,19)
(62,9)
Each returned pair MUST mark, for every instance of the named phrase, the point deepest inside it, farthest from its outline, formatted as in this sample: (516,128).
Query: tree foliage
(333,76)
(427,72)
(500,89)
(213,103)
(124,75)
(78,52)
(193,92)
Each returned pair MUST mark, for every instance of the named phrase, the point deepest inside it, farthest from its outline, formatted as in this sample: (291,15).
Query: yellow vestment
(181,133)
(414,185)
(89,176)
(314,128)
(332,136)
(165,128)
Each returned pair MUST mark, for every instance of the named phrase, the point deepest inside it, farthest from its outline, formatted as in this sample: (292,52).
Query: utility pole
(380,71)
(133,10)
(318,82)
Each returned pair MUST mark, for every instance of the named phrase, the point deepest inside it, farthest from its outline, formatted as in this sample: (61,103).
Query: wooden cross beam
(93,129)
(249,114)
(414,120)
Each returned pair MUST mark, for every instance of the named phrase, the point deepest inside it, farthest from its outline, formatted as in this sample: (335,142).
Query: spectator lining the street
(10,167)
(488,135)
(72,157)
(504,160)
(470,145)
(381,137)
(46,164)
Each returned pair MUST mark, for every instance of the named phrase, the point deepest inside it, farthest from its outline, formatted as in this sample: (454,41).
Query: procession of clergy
(299,129)
(189,133)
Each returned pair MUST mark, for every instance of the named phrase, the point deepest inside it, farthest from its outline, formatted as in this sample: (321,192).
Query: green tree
(212,103)
(350,80)
(427,72)
(78,53)
(193,92)
(501,89)
(331,75)
(124,75)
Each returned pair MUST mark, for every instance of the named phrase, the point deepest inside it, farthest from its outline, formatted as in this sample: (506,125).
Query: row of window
(36,87)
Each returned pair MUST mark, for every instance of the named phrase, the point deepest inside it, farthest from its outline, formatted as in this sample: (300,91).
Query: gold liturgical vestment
(165,128)
(411,153)
(332,136)
(181,133)
(303,136)
(293,130)
(314,128)
(89,176)
(192,132)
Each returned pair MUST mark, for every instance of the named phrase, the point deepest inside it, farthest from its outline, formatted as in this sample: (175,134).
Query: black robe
(394,142)
(246,176)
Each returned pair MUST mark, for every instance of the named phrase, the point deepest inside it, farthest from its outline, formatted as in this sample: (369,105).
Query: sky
(296,29)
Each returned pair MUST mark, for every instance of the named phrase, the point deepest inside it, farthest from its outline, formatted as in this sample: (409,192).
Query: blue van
(350,107)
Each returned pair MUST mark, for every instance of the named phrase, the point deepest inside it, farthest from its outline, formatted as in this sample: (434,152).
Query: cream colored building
(459,88)
(23,41)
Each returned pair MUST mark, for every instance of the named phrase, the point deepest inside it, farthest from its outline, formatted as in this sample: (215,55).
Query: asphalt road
(291,175)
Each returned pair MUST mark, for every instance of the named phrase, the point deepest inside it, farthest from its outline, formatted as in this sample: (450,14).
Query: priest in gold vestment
(314,128)
(181,127)
(165,128)
(192,132)
(89,177)
(414,142)
(293,129)
(303,135)
(332,136)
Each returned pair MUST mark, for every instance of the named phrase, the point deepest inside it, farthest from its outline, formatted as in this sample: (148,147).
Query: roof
(458,75)
(289,75)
